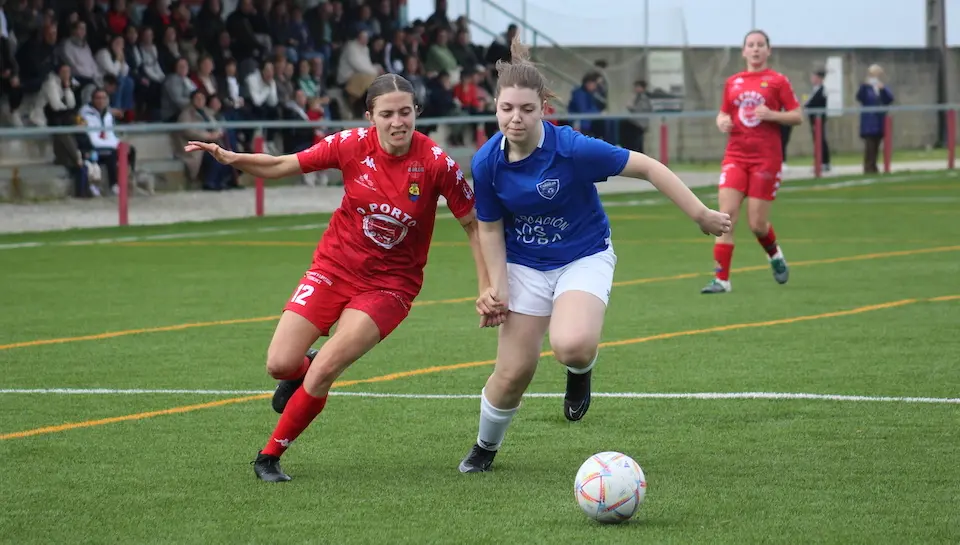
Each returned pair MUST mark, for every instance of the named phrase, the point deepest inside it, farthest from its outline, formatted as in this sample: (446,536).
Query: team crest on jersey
(548,189)
(748,102)
(414,191)
(764,84)
(415,170)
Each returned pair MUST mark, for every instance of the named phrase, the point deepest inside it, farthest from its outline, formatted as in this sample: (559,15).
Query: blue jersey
(550,208)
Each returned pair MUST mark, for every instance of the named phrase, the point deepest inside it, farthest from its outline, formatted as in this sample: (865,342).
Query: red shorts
(756,179)
(321,298)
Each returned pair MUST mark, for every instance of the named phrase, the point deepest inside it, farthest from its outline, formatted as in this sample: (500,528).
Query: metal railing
(135,128)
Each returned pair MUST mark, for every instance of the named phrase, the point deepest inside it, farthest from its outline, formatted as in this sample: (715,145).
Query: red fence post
(817,146)
(951,138)
(887,142)
(259,192)
(664,141)
(123,172)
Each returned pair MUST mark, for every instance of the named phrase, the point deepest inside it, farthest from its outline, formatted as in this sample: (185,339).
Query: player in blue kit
(546,241)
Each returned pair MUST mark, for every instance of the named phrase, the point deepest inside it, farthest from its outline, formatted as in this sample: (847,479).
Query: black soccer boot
(576,400)
(267,468)
(285,388)
(478,460)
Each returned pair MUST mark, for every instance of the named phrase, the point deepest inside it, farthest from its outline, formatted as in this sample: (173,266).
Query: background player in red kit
(751,114)
(368,266)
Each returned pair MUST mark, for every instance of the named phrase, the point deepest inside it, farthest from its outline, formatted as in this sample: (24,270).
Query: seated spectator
(204,78)
(150,75)
(284,79)
(168,50)
(261,88)
(464,51)
(413,72)
(396,52)
(112,61)
(37,58)
(77,53)
(98,32)
(356,72)
(215,107)
(177,88)
(215,176)
(440,58)
(58,102)
(9,76)
(117,17)
(102,141)
(443,103)
(230,91)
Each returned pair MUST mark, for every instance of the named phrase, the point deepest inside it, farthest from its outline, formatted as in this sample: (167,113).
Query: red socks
(298,414)
(769,242)
(723,255)
(299,373)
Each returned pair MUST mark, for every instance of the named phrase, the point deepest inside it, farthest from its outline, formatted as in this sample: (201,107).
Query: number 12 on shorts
(302,292)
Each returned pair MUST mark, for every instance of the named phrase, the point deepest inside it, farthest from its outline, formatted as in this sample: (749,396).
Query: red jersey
(750,138)
(379,237)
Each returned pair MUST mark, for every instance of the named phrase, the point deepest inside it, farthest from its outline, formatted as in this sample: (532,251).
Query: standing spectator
(636,129)
(583,102)
(177,88)
(818,101)
(873,92)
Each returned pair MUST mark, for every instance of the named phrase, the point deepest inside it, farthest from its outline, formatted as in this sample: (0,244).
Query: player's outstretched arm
(647,168)
(260,165)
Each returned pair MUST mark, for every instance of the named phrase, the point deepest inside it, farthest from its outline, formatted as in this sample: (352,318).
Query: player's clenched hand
(714,223)
(491,305)
(763,113)
(222,156)
(724,122)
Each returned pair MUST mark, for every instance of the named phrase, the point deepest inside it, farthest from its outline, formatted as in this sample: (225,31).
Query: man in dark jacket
(818,101)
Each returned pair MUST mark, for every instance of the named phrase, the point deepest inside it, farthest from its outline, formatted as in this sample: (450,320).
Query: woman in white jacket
(111,60)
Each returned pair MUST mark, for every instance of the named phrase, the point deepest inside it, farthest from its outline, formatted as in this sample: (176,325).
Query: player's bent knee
(577,351)
(282,362)
(760,227)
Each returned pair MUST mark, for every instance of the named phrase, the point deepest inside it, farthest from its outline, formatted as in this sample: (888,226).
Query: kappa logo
(548,189)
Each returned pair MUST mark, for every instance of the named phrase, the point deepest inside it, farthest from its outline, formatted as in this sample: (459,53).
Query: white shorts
(533,292)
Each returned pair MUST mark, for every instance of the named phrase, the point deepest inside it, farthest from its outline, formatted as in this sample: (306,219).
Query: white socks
(493,423)
(587,369)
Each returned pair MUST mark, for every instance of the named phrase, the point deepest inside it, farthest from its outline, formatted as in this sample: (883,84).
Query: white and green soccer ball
(610,486)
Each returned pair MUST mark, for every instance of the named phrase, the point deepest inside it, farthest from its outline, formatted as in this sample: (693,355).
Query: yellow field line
(453,367)
(179,327)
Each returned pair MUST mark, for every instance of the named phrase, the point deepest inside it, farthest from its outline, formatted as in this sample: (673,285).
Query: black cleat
(285,388)
(478,460)
(268,469)
(577,399)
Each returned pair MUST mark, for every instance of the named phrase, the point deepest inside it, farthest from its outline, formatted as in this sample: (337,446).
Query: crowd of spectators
(167,61)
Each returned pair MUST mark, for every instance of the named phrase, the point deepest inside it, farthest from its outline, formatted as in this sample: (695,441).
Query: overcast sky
(807,23)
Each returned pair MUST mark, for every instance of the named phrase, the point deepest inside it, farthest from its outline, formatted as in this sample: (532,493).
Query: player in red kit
(368,267)
(751,114)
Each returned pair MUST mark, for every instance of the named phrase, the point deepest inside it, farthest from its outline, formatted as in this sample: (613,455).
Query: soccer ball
(610,486)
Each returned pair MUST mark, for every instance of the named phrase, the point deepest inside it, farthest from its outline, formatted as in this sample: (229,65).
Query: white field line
(616,395)
(638,202)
